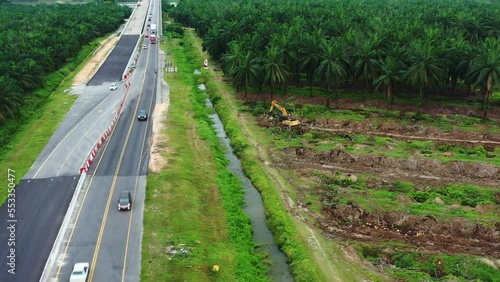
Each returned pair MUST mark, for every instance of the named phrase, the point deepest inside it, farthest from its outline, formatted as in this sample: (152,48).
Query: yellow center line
(82,204)
(110,195)
(137,179)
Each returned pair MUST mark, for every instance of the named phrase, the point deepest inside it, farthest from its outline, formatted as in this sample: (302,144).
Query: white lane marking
(68,134)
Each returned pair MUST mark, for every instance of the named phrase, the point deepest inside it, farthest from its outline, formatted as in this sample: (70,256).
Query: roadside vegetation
(193,214)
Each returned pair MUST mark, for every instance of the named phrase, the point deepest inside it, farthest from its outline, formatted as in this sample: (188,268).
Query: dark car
(142,115)
(125,201)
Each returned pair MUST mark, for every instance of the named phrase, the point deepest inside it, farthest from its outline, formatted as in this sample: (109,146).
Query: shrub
(446,148)
(425,147)
(404,259)
(479,151)
(371,253)
(405,187)
(420,196)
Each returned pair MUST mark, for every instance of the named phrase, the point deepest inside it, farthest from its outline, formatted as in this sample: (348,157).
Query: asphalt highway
(44,193)
(107,72)
(110,240)
(39,210)
(107,238)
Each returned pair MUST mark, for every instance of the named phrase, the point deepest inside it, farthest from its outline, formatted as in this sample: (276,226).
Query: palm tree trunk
(487,97)
(420,101)
(389,94)
(454,80)
(328,96)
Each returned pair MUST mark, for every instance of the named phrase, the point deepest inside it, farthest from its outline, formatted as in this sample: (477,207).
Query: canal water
(254,208)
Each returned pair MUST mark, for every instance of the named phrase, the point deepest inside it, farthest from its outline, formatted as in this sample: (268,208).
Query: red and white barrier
(86,165)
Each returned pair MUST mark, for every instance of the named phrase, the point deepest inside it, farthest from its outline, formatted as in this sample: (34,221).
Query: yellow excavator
(284,118)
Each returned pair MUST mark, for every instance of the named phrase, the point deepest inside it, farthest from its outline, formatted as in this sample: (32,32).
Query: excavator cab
(284,118)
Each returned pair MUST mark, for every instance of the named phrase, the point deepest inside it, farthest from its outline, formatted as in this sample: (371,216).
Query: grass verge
(195,203)
(278,220)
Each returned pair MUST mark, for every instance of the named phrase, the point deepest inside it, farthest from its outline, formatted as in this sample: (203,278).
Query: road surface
(44,194)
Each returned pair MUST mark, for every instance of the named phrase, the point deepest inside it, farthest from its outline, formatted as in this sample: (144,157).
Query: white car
(144,47)
(113,86)
(80,272)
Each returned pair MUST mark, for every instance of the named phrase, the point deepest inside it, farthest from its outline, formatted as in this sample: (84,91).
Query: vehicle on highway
(144,46)
(113,86)
(142,115)
(146,36)
(153,39)
(80,272)
(125,201)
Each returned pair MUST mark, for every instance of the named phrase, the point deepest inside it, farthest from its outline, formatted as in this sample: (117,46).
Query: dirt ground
(426,233)
(158,143)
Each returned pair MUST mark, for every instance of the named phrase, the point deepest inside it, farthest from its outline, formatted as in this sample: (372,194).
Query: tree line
(38,40)
(419,47)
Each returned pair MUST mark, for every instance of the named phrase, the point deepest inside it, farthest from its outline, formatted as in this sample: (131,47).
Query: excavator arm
(275,104)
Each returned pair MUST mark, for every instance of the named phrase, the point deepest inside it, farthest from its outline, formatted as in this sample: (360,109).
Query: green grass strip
(183,202)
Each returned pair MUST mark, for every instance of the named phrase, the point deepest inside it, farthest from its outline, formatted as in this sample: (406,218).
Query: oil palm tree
(332,66)
(245,74)
(485,67)
(232,58)
(426,69)
(367,60)
(288,50)
(309,55)
(390,74)
(10,97)
(212,42)
(274,70)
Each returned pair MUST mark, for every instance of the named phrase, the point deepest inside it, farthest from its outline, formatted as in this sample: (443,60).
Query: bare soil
(427,234)
(159,140)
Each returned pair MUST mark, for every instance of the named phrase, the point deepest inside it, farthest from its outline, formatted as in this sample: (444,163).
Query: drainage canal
(254,208)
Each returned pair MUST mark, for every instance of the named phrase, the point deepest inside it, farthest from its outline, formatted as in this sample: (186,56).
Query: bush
(425,147)
(446,148)
(420,196)
(404,259)
(404,187)
(478,151)
(174,28)
(411,275)
(371,253)
(466,195)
